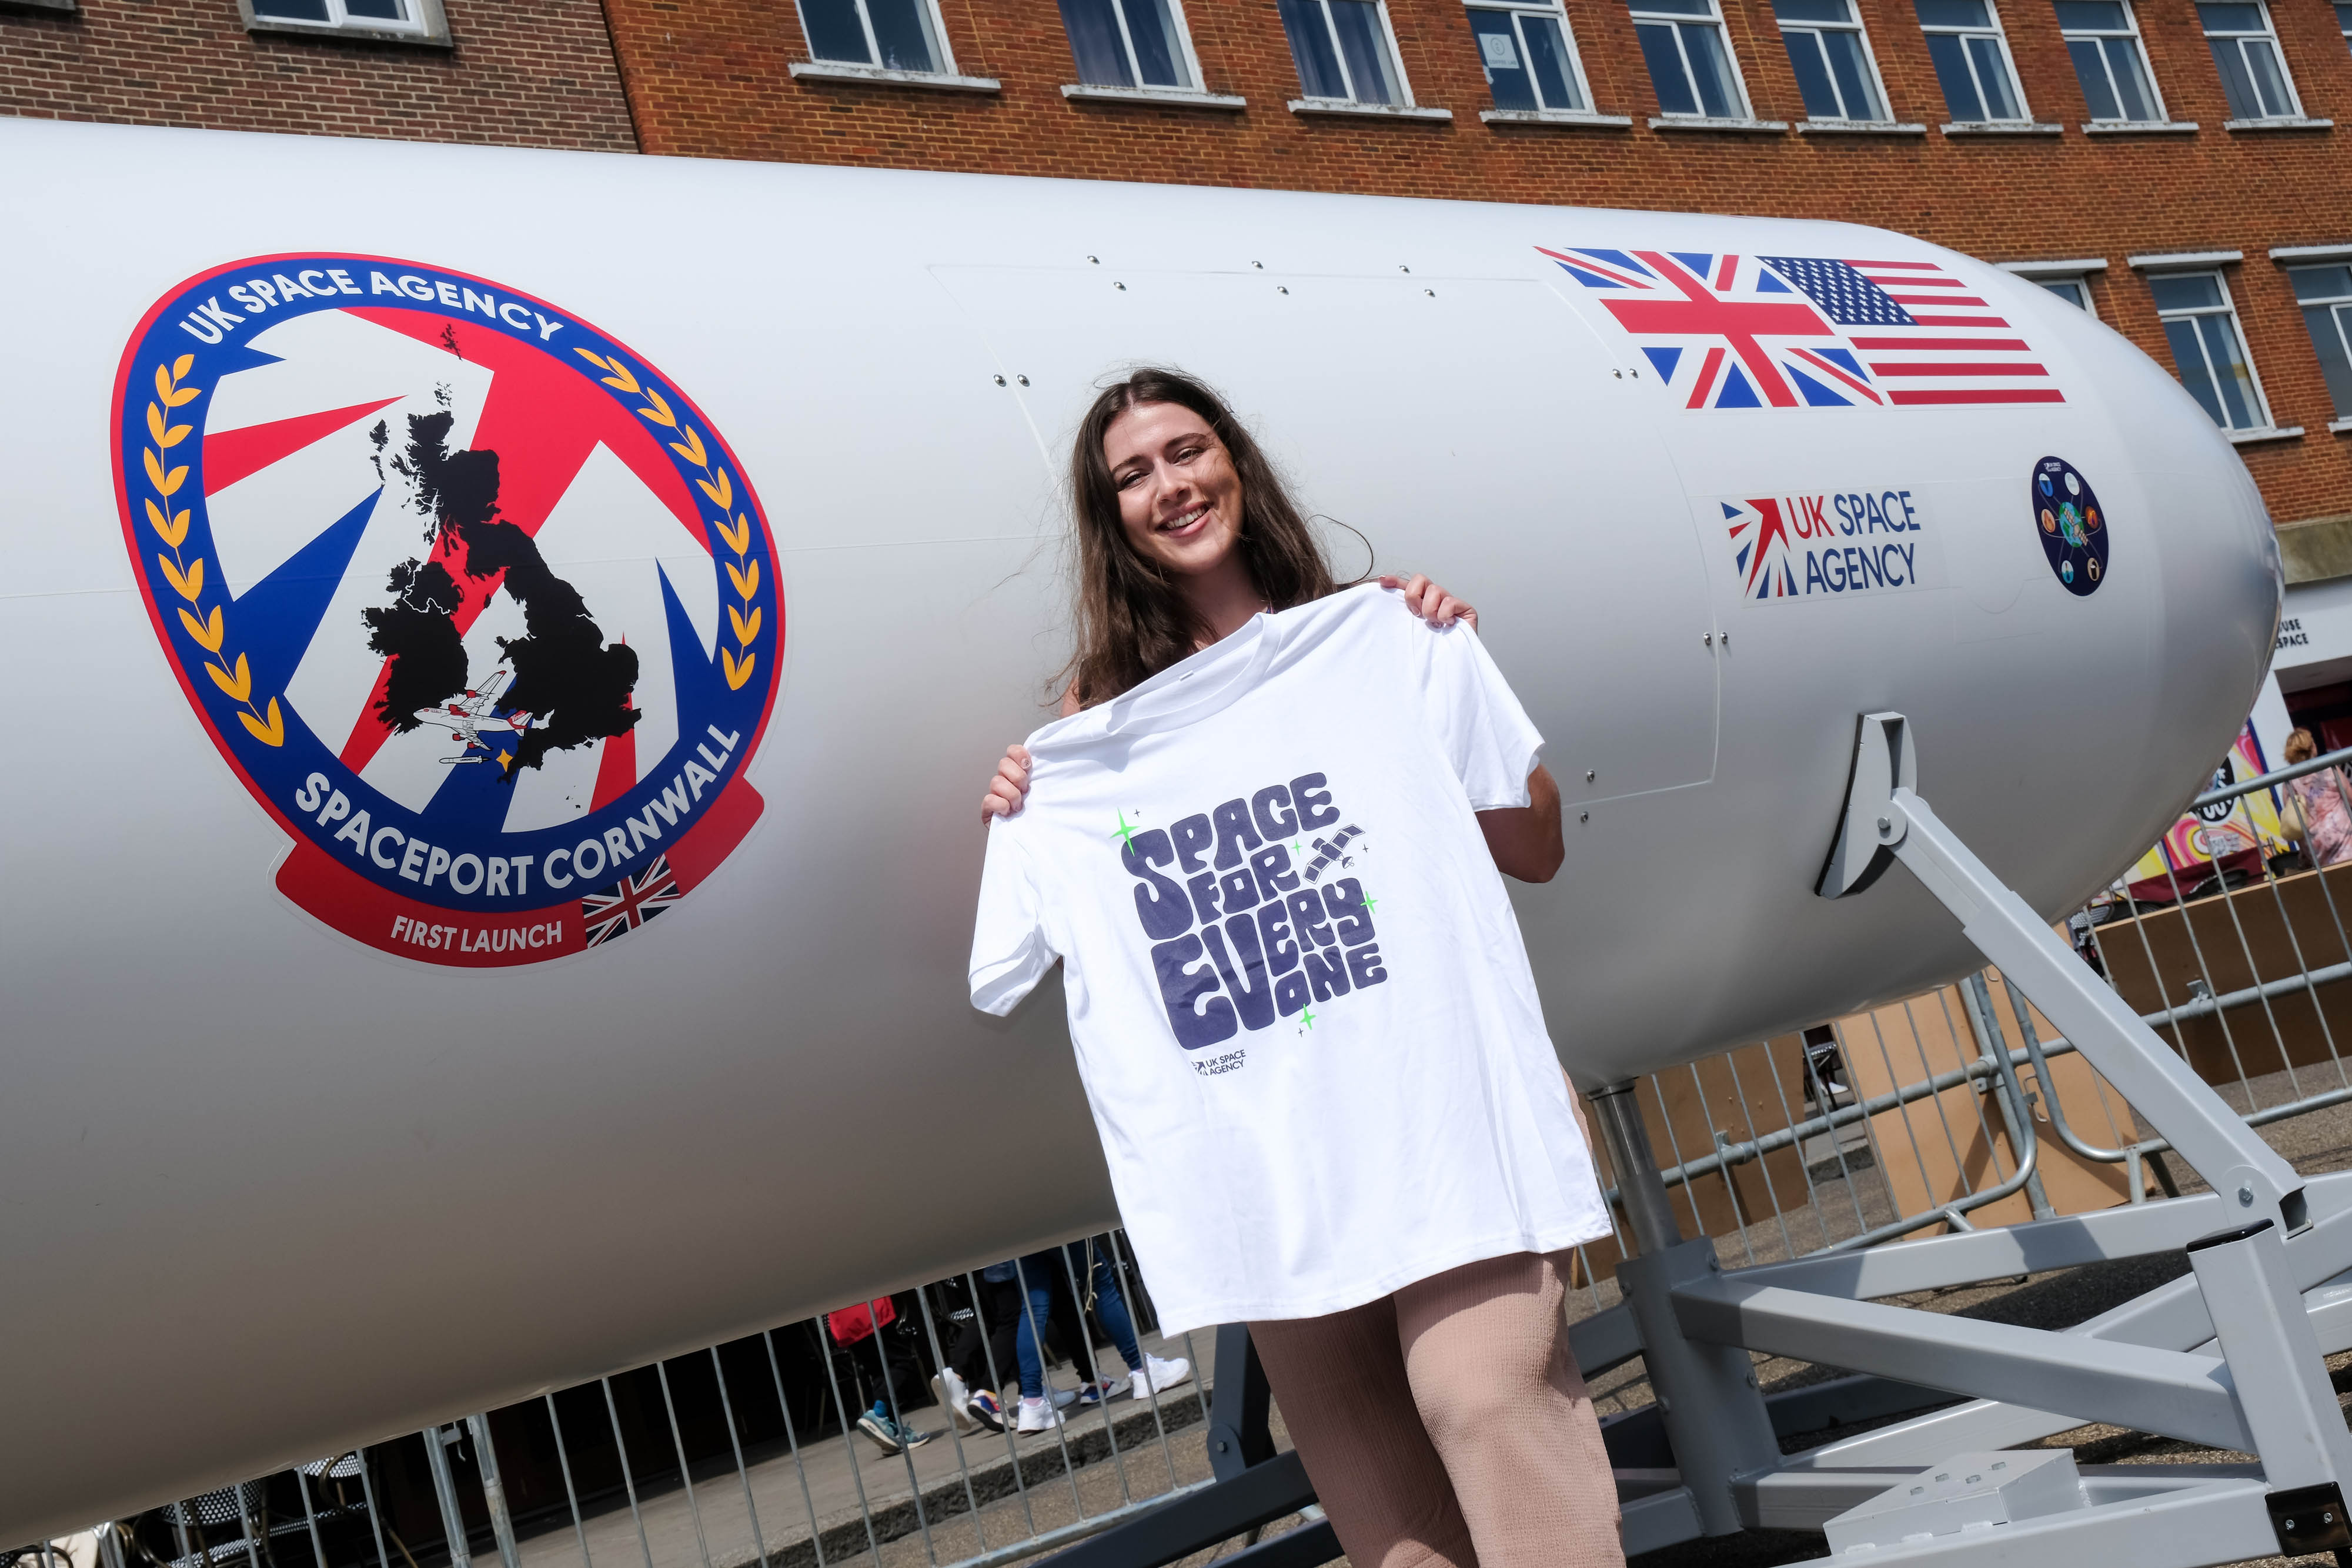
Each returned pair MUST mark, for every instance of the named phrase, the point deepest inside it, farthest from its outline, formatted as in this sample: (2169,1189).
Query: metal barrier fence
(1955,1108)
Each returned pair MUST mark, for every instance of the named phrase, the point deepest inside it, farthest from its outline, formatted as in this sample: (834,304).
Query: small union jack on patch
(1794,332)
(628,903)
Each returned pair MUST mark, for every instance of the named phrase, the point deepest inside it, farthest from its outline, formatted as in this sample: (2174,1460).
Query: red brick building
(527,73)
(2173,165)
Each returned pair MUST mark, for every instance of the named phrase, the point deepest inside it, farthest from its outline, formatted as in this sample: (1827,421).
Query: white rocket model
(762,569)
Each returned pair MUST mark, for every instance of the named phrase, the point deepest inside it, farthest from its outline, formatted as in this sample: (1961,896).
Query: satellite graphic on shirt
(474,599)
(1254,911)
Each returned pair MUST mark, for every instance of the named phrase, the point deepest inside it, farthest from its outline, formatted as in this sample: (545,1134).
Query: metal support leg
(494,1491)
(1714,1416)
(1886,820)
(2281,1383)
(444,1490)
(1239,1436)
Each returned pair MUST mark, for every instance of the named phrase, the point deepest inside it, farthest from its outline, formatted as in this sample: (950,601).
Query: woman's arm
(1525,840)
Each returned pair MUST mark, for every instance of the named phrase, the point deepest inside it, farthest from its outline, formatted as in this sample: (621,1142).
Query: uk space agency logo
(473,598)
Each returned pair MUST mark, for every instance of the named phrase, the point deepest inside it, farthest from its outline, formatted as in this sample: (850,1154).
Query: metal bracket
(1885,819)
(2310,1519)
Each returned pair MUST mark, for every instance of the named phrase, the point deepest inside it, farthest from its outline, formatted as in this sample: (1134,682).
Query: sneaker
(983,1408)
(1156,1375)
(1038,1415)
(949,1389)
(1094,1393)
(876,1424)
(1062,1398)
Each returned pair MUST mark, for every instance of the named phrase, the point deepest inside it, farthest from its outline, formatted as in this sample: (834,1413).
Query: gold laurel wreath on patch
(743,572)
(186,573)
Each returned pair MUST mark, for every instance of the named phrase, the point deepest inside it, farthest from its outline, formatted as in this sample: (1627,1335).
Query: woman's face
(1179,499)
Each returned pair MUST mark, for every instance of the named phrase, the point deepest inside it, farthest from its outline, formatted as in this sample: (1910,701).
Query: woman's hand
(1009,787)
(1431,602)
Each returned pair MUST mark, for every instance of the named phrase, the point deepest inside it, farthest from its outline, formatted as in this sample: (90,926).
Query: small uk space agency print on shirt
(1256,912)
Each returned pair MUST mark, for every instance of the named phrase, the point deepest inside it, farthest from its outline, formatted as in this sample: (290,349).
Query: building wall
(712,79)
(527,73)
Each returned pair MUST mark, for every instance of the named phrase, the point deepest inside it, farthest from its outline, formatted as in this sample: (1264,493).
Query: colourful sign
(476,601)
(2248,823)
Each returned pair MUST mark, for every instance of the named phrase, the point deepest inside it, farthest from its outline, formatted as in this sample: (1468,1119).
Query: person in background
(859,1327)
(983,1352)
(1147,1375)
(2317,815)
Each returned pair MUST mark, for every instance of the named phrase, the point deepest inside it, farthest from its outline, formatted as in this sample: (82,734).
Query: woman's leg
(1036,1308)
(1340,1381)
(1486,1349)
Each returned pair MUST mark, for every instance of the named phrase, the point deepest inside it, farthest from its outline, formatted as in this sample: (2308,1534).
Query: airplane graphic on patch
(1792,332)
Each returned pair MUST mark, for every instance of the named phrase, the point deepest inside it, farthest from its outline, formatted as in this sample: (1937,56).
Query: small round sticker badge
(2073,525)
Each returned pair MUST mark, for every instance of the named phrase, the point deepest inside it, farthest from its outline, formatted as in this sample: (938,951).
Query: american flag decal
(1790,331)
(628,903)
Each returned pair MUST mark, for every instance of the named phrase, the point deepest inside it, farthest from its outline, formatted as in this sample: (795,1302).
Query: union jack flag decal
(1790,331)
(628,903)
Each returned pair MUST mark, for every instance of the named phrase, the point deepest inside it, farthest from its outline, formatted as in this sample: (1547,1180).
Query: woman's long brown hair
(1132,620)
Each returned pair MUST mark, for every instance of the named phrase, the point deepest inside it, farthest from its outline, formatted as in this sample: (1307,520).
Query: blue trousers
(1039,1270)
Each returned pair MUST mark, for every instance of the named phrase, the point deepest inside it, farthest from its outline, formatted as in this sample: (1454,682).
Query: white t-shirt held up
(1301,1007)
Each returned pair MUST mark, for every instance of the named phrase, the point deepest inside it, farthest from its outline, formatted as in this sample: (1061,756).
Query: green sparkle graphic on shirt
(1309,1020)
(1369,904)
(1125,831)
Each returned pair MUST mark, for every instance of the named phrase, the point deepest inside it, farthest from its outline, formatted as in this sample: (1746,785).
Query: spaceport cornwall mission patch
(1297,988)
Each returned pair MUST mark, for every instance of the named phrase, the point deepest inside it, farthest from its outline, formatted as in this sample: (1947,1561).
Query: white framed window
(1130,44)
(1831,54)
(1970,53)
(2103,37)
(2325,295)
(884,35)
(417,21)
(2074,290)
(2069,280)
(2208,351)
(2246,52)
(2344,23)
(1690,59)
(1345,52)
(1528,53)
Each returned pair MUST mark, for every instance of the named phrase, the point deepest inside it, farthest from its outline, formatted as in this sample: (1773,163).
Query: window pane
(833,33)
(2093,16)
(2131,78)
(2188,364)
(1159,52)
(2236,85)
(1677,8)
(2322,282)
(1665,63)
(2270,81)
(1365,44)
(1952,70)
(1310,46)
(2231,18)
(299,10)
(2196,291)
(1710,69)
(376,10)
(2091,71)
(1499,53)
(2344,19)
(1813,11)
(1993,75)
(903,29)
(1548,57)
(1851,69)
(2069,289)
(2328,343)
(2229,360)
(1094,43)
(1813,75)
(1952,13)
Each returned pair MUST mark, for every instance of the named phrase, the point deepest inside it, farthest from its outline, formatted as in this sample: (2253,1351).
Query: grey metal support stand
(1713,1414)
